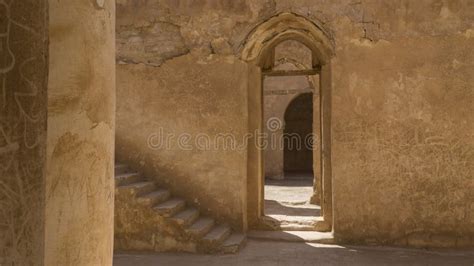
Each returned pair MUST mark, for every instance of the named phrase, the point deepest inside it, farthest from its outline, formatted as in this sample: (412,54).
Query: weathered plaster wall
(23,104)
(185,113)
(403,129)
(401,111)
(80,139)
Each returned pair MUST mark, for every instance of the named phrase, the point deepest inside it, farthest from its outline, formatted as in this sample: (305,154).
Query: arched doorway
(258,51)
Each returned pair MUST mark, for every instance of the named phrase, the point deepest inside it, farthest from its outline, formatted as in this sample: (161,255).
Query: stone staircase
(149,218)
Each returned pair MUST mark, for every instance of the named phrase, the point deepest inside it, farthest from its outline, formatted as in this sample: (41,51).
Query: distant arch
(298,119)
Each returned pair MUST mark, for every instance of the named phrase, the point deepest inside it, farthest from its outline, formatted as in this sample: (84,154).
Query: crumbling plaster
(402,101)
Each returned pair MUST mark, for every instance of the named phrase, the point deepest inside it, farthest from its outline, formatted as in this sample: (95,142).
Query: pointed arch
(265,37)
(258,51)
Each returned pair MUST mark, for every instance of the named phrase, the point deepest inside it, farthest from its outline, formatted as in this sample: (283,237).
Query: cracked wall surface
(151,44)
(23,103)
(402,101)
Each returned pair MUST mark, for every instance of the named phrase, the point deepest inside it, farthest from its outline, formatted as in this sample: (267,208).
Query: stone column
(80,135)
(326,173)
(317,142)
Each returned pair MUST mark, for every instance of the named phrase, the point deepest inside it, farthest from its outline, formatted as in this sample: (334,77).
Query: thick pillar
(80,134)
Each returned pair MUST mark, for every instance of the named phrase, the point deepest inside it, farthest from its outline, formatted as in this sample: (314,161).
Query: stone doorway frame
(258,52)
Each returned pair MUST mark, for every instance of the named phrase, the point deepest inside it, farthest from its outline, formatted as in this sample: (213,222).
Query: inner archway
(298,160)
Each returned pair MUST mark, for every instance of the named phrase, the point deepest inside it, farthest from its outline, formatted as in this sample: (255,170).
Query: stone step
(296,227)
(121,168)
(154,197)
(186,217)
(201,227)
(293,236)
(139,188)
(127,178)
(294,223)
(170,207)
(233,243)
(217,235)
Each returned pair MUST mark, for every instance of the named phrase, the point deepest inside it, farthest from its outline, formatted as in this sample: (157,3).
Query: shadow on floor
(299,175)
(290,183)
(273,207)
(291,253)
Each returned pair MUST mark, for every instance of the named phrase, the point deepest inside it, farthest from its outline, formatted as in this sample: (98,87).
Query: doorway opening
(291,117)
(266,61)
(290,199)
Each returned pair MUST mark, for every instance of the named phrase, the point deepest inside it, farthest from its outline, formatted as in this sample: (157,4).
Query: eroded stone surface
(151,44)
(148,218)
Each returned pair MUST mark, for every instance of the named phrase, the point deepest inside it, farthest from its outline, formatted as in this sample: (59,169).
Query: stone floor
(287,201)
(296,191)
(263,253)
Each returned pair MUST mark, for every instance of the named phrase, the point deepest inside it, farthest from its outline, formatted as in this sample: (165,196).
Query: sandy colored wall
(23,82)
(402,131)
(275,106)
(80,139)
(205,100)
(401,108)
